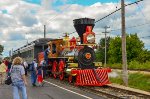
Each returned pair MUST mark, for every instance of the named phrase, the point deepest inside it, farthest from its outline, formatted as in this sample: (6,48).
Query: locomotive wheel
(86,57)
(54,69)
(61,69)
(61,76)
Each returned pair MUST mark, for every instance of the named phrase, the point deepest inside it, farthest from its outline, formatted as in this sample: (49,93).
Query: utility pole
(106,27)
(124,55)
(44,31)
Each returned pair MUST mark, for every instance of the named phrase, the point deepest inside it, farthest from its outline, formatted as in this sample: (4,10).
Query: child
(40,75)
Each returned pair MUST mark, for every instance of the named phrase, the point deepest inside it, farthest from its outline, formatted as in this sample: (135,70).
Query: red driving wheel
(54,69)
(61,69)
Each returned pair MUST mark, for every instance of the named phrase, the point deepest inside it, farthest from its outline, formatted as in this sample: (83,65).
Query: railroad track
(132,94)
(122,93)
(100,93)
(107,91)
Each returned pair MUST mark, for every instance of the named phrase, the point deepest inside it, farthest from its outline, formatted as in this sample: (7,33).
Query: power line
(101,18)
(141,11)
(50,21)
(62,11)
(117,10)
(134,26)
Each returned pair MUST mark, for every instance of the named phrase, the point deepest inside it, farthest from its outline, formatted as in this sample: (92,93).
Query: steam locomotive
(74,58)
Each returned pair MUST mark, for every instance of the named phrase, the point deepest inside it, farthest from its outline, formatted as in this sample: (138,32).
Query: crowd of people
(17,70)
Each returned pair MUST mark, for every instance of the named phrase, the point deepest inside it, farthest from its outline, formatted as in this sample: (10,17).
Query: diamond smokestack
(80,26)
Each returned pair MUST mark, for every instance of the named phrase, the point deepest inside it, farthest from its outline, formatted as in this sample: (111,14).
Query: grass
(136,80)
(134,65)
(139,81)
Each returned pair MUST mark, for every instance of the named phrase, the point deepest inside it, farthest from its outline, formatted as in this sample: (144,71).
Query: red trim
(61,69)
(54,69)
(88,31)
(90,77)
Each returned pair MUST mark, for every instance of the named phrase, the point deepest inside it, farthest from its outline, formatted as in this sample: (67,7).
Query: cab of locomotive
(55,47)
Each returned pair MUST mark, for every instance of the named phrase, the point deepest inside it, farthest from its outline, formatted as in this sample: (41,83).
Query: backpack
(31,67)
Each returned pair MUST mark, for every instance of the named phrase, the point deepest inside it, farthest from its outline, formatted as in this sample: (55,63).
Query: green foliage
(133,65)
(117,80)
(1,49)
(100,53)
(137,65)
(115,50)
(116,65)
(136,80)
(144,56)
(134,46)
(140,81)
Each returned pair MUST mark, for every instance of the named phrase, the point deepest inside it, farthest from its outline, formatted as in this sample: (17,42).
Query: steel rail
(99,92)
(138,94)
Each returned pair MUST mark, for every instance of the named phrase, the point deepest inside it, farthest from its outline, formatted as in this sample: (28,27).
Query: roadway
(52,89)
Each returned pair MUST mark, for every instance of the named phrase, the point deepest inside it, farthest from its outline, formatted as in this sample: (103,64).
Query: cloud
(28,21)
(6,20)
(47,4)
(24,21)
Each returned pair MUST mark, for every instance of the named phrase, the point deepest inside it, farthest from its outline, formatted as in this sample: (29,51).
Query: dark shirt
(9,65)
(39,71)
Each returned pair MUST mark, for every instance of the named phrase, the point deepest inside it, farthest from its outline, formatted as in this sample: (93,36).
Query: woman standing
(3,69)
(18,79)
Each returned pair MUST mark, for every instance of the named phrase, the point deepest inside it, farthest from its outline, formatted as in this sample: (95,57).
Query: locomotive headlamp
(91,38)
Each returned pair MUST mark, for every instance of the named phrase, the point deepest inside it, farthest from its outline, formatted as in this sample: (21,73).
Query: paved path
(50,90)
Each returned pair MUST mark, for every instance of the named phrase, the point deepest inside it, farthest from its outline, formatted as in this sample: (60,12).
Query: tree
(100,53)
(144,56)
(1,49)
(115,50)
(135,48)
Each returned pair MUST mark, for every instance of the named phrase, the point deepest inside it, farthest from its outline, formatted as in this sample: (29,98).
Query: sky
(22,21)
